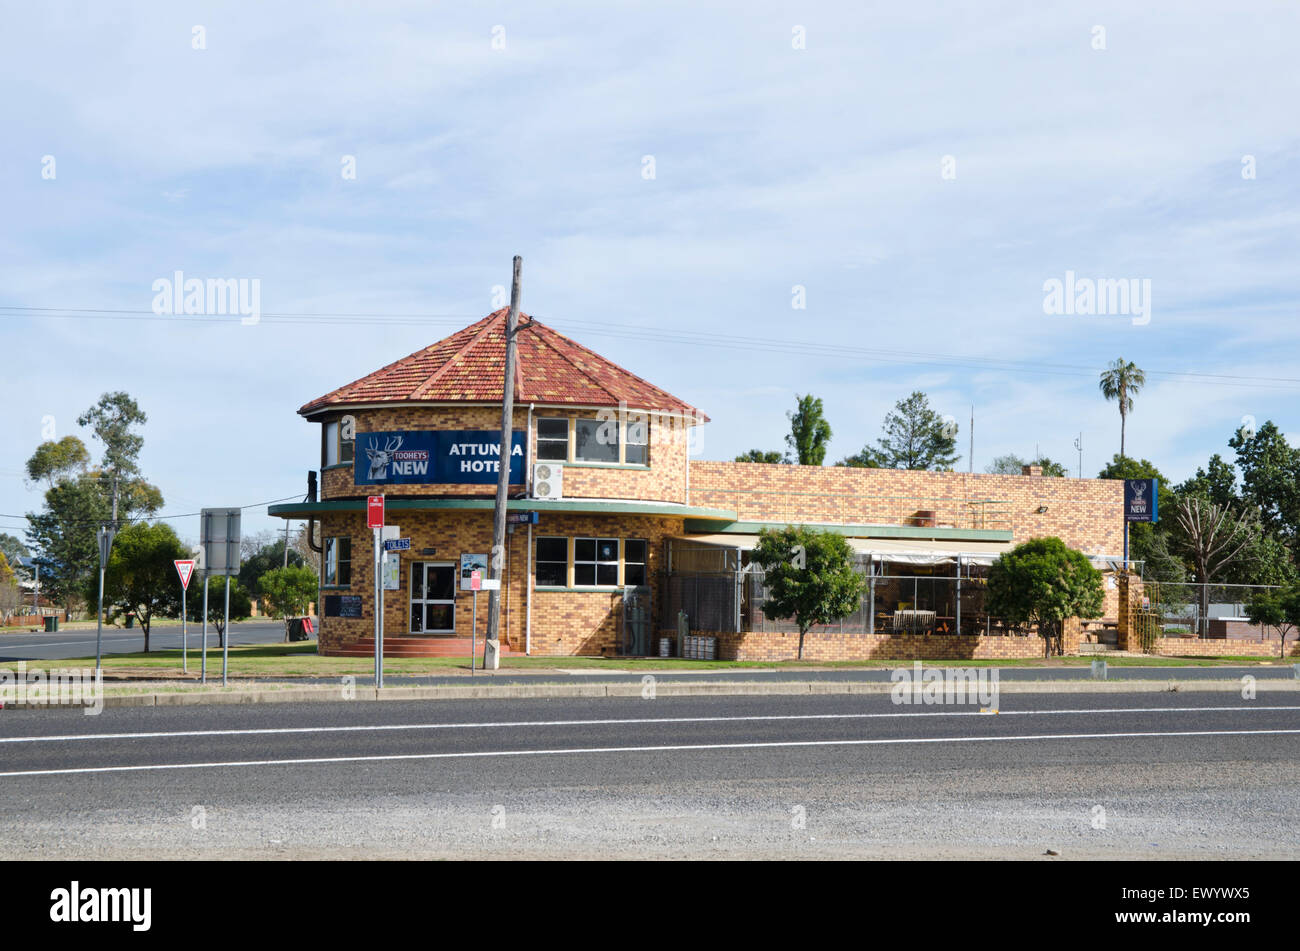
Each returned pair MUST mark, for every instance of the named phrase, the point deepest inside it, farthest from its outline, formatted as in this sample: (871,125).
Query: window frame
(571,456)
(624,562)
(344,449)
(597,562)
(538,561)
(328,542)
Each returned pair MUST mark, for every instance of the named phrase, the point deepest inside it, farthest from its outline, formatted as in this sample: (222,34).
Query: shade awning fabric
(906,552)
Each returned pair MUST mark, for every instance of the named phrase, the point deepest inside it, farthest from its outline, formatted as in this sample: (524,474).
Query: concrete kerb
(638,689)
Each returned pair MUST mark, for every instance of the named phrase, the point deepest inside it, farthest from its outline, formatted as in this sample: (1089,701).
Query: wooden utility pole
(496,560)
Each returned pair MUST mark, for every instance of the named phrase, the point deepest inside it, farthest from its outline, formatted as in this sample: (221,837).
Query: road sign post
(475,585)
(105,538)
(375,521)
(184,568)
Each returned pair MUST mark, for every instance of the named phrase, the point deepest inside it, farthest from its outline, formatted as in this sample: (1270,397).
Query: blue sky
(774,167)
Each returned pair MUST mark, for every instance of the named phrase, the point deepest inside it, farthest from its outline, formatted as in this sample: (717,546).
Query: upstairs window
(553,440)
(335,449)
(595,440)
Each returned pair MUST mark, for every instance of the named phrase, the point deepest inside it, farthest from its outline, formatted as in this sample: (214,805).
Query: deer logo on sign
(380,458)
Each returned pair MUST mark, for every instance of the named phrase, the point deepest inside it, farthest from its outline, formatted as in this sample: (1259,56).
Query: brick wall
(564,622)
(778,646)
(664,480)
(1086,514)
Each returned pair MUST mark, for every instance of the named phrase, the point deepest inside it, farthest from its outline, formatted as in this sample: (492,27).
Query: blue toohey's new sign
(446,456)
(1141,501)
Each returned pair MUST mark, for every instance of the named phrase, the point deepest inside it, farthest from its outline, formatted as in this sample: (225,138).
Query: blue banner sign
(1141,504)
(397,544)
(459,456)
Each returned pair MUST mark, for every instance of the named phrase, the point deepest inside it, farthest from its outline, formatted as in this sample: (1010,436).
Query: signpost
(1141,504)
(184,568)
(375,522)
(105,538)
(220,540)
(475,585)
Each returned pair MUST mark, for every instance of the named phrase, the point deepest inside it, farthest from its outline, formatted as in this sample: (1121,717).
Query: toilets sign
(442,457)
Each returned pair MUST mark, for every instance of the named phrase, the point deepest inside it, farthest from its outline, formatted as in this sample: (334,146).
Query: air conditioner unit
(548,481)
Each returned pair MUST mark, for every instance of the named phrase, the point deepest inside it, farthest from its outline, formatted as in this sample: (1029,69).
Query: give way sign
(184,568)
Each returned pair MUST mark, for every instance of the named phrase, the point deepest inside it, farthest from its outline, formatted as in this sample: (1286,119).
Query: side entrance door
(433,597)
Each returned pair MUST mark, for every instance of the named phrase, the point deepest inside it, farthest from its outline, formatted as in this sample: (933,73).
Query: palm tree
(1121,382)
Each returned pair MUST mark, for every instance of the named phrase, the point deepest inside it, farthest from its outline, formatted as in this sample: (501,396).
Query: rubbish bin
(296,632)
(51,623)
(130,620)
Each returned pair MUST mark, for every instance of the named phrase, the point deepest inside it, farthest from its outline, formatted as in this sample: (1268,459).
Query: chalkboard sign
(343,605)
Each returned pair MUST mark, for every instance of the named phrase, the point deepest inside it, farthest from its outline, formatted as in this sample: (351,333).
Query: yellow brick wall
(664,480)
(1086,514)
(564,622)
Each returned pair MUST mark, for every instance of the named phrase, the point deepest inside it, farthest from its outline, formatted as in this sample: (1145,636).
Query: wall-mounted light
(1042,510)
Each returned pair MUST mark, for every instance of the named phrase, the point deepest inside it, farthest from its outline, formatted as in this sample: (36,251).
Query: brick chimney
(1031,470)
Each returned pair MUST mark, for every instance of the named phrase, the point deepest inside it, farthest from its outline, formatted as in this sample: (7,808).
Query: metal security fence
(917,600)
(1202,610)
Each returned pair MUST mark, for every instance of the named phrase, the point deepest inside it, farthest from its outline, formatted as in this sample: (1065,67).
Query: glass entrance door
(433,597)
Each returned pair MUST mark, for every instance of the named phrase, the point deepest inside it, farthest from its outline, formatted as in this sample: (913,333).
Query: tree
(864,459)
(111,420)
(79,500)
(1043,582)
(241,605)
(289,591)
(302,545)
(267,557)
(1121,381)
(1212,536)
(14,552)
(809,431)
(809,576)
(915,437)
(1270,480)
(141,574)
(1278,608)
(11,596)
(769,456)
(53,461)
(1011,464)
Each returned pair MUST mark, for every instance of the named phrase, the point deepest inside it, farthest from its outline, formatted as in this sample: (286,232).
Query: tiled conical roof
(466,367)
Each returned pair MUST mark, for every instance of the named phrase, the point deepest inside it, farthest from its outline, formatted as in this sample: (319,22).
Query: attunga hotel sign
(1140,500)
(443,457)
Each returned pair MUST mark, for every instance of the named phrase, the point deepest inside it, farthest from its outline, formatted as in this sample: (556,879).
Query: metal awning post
(871,587)
(958,612)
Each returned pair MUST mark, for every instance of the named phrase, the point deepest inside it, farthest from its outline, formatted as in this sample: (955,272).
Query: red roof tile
(467,366)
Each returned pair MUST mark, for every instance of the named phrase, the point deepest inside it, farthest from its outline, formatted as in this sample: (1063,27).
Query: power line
(151,518)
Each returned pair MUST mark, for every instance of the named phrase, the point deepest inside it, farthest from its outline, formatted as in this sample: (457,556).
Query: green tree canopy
(53,461)
(1011,464)
(1277,608)
(1043,582)
(769,456)
(241,605)
(809,431)
(141,574)
(915,437)
(289,591)
(809,576)
(266,558)
(112,420)
(1270,480)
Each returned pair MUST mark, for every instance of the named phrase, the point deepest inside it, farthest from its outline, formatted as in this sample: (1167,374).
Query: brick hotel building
(619,532)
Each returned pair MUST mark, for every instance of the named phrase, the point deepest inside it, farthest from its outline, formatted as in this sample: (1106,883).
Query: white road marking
(364,728)
(574,751)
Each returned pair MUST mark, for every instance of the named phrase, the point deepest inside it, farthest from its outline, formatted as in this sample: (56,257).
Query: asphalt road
(1092,776)
(80,642)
